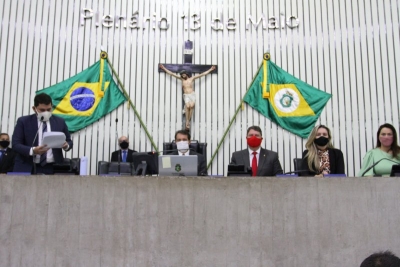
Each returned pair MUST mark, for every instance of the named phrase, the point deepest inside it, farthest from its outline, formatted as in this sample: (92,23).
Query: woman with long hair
(387,152)
(320,157)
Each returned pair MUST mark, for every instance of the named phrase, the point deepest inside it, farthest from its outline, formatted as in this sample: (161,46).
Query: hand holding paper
(54,139)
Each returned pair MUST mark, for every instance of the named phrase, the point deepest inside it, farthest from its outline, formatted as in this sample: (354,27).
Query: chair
(194,145)
(68,166)
(115,168)
(300,167)
(145,163)
(298,164)
(238,170)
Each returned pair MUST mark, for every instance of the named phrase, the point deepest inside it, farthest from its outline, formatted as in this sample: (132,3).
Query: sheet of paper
(54,139)
(166,162)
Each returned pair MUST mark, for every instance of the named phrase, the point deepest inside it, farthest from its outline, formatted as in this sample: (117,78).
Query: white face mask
(44,116)
(182,146)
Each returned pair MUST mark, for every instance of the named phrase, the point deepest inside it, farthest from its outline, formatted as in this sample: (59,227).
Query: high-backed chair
(298,164)
(68,166)
(194,145)
(145,163)
(122,168)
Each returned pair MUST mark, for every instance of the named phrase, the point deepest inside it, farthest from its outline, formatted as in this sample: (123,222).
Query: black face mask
(321,141)
(4,143)
(124,145)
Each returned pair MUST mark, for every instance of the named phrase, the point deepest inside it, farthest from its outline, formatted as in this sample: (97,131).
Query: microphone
(119,152)
(34,139)
(376,163)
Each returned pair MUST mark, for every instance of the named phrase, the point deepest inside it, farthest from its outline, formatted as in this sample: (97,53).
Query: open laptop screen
(175,165)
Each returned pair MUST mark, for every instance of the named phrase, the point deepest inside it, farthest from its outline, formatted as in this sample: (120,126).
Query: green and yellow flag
(86,97)
(285,100)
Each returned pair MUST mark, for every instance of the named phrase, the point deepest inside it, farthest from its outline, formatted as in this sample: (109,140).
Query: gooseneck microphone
(376,163)
(34,139)
(119,152)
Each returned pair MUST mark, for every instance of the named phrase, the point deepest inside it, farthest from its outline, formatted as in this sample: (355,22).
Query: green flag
(86,97)
(285,100)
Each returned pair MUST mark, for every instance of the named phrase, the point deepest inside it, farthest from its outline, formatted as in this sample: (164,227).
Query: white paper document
(53,139)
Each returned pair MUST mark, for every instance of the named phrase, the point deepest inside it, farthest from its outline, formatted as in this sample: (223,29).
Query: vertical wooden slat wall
(348,49)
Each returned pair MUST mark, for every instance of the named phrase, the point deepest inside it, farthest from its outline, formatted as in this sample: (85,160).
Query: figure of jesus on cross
(189,96)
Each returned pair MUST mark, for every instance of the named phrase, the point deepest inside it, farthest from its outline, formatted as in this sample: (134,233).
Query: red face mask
(254,141)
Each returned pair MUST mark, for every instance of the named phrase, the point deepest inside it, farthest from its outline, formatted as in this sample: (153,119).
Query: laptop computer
(175,165)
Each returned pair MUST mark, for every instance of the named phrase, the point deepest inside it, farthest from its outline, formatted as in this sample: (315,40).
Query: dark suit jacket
(201,162)
(114,155)
(24,134)
(336,162)
(268,162)
(7,161)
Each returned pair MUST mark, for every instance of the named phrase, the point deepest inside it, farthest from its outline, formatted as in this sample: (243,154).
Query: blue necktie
(124,156)
(43,157)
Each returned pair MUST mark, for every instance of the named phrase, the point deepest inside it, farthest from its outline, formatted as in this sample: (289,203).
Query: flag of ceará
(285,100)
(85,97)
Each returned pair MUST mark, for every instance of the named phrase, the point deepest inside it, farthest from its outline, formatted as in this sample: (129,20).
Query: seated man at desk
(7,155)
(263,162)
(182,140)
(125,153)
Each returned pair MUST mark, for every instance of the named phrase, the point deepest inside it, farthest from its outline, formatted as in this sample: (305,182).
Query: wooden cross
(189,68)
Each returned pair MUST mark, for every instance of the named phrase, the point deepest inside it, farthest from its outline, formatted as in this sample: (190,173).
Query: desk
(196,221)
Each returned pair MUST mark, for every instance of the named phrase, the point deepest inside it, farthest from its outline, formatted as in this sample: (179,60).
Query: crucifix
(185,70)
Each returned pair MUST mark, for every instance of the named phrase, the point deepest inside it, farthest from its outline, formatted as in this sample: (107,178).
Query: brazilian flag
(86,97)
(285,100)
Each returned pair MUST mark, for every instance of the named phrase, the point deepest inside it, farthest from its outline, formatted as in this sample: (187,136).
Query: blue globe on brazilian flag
(285,100)
(86,97)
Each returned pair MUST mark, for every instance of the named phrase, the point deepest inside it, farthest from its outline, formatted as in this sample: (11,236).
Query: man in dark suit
(124,154)
(7,155)
(27,140)
(263,162)
(182,140)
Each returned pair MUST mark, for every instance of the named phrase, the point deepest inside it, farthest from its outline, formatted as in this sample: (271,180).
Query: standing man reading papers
(28,137)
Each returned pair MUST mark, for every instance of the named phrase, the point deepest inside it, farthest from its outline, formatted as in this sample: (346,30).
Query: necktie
(254,164)
(124,156)
(183,154)
(1,155)
(43,157)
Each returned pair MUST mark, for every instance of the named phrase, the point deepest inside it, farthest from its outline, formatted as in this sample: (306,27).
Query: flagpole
(226,131)
(266,57)
(104,55)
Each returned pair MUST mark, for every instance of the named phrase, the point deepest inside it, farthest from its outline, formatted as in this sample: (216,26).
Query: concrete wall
(154,221)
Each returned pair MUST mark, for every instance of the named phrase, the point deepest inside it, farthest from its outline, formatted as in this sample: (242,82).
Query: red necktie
(254,164)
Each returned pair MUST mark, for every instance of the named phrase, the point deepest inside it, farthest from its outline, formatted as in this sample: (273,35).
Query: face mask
(46,115)
(124,145)
(254,141)
(182,145)
(321,141)
(4,143)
